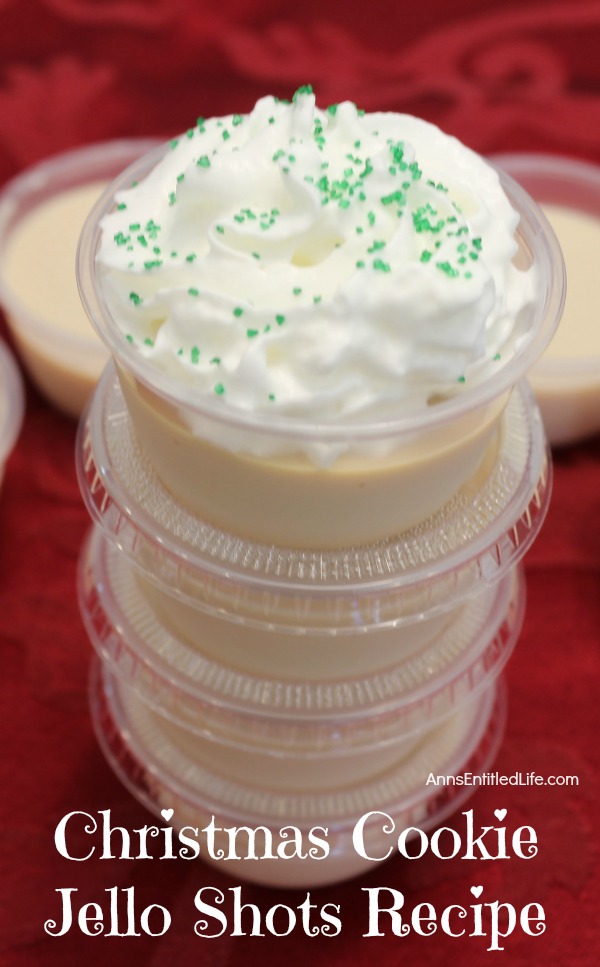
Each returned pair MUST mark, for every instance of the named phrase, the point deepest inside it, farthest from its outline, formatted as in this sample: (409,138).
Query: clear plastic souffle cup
(42,211)
(389,475)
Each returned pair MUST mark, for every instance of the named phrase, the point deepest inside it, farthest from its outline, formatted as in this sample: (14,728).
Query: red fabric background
(499,76)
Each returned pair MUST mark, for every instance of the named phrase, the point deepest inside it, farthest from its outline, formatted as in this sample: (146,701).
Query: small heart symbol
(476,890)
(166,814)
(500,813)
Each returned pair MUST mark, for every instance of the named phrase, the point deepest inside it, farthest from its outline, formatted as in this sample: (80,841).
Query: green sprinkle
(121,239)
(135,227)
(153,264)
(360,264)
(303,89)
(237,119)
(278,154)
(461,379)
(279,319)
(121,206)
(255,255)
(148,341)
(203,161)
(172,198)
(447,269)
(376,246)
(216,361)
(225,135)
(190,257)
(238,311)
(426,255)
(174,143)
(397,196)
(142,240)
(477,244)
(497,357)
(129,338)
(332,109)
(380,266)
(219,389)
(272,396)
(194,355)
(220,229)
(135,298)
(193,291)
(317,298)
(296,290)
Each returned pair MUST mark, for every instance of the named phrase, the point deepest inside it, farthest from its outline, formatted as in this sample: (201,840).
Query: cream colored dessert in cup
(42,211)
(175,780)
(40,272)
(317,316)
(302,654)
(567,379)
(301,698)
(293,768)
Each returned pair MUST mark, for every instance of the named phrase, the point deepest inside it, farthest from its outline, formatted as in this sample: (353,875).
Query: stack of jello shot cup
(301,647)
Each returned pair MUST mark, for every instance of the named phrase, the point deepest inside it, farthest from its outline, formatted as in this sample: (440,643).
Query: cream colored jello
(566,379)
(169,778)
(42,212)
(318,316)
(567,382)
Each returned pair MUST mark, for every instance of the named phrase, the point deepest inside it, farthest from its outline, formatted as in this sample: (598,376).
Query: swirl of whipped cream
(322,264)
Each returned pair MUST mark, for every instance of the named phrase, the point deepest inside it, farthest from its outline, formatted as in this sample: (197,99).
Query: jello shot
(566,379)
(318,316)
(42,211)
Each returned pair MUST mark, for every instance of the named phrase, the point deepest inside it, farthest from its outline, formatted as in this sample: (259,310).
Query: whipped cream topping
(322,264)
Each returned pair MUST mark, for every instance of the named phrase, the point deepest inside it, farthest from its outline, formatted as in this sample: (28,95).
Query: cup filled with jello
(566,380)
(318,316)
(42,211)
